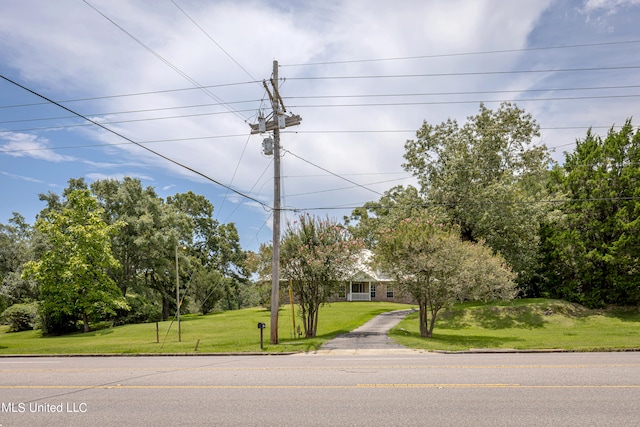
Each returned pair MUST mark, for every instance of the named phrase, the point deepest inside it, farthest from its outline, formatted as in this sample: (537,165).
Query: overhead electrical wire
(166,62)
(101,126)
(243,69)
(488,92)
(196,138)
(432,204)
(449,55)
(474,101)
(467,73)
(329,172)
(155,92)
(213,41)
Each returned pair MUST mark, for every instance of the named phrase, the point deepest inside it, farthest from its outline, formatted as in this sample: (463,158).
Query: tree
(316,255)
(488,178)
(395,204)
(593,249)
(437,268)
(73,274)
(17,243)
(217,248)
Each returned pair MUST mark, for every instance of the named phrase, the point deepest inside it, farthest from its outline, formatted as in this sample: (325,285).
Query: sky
(184,79)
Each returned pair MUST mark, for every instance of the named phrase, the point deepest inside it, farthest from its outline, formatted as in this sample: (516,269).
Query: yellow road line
(268,387)
(325,368)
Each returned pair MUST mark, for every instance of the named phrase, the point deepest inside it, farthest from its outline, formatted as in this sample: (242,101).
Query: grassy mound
(525,324)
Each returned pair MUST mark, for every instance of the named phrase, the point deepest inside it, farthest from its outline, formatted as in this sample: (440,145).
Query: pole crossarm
(271,125)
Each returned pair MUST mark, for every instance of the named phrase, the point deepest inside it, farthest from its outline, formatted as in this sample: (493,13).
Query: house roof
(364,270)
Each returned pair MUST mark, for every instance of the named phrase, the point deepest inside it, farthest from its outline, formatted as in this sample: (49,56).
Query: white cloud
(22,177)
(28,145)
(610,5)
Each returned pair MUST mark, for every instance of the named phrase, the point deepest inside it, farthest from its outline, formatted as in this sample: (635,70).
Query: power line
(432,204)
(475,101)
(135,143)
(344,131)
(467,73)
(348,188)
(448,55)
(155,92)
(165,61)
(147,110)
(212,40)
(332,173)
(482,92)
(385,104)
(123,121)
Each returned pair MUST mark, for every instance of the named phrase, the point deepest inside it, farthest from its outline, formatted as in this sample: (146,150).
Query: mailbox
(261,326)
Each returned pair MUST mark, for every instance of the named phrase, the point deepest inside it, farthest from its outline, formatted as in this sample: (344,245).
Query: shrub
(21,317)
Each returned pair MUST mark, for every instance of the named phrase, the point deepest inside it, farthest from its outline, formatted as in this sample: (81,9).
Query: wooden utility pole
(279,121)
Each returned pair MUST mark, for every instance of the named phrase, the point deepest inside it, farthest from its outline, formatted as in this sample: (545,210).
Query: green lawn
(525,324)
(230,331)
(519,324)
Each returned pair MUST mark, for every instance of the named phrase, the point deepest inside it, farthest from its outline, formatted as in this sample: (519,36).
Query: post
(178,297)
(275,260)
(293,311)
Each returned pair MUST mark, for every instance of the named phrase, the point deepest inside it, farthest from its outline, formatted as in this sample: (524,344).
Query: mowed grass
(230,331)
(526,324)
(521,324)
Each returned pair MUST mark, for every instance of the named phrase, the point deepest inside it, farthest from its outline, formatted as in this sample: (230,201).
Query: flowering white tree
(316,255)
(437,268)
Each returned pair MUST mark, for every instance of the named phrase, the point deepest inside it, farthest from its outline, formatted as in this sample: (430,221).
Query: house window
(357,288)
(342,291)
(390,292)
(373,290)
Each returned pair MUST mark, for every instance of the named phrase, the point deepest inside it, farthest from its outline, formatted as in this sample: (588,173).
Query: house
(367,284)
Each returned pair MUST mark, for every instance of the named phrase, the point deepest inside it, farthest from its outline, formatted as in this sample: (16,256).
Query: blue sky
(136,67)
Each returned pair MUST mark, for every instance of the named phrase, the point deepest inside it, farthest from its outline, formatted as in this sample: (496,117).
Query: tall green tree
(17,242)
(73,273)
(316,255)
(395,204)
(593,249)
(216,246)
(488,177)
(434,266)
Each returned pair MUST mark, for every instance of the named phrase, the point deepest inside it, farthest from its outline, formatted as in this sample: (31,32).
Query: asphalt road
(326,388)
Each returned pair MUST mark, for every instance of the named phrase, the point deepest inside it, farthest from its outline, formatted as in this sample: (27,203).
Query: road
(374,387)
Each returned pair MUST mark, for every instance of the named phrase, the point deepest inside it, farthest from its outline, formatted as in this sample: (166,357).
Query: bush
(21,317)
(141,310)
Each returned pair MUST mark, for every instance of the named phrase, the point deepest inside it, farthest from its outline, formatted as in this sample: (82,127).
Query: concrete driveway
(372,337)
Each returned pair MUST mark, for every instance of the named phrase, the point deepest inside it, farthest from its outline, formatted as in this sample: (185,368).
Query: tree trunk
(432,323)
(166,308)
(423,320)
(85,321)
(311,326)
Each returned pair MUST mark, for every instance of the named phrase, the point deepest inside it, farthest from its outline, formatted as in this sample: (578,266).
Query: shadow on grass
(492,317)
(507,318)
(460,341)
(624,314)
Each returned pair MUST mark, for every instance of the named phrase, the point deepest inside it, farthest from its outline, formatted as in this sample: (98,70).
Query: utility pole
(278,121)
(178,296)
